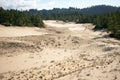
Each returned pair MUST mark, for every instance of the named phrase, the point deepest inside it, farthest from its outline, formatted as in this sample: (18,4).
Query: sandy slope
(18,31)
(61,51)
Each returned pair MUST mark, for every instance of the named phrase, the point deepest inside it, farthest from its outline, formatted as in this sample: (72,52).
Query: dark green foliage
(110,22)
(64,13)
(20,18)
(114,24)
(37,21)
(99,9)
(101,21)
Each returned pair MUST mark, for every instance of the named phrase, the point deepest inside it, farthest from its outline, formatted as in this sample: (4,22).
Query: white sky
(49,4)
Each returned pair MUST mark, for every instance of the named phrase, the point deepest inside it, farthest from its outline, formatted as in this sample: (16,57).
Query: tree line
(20,18)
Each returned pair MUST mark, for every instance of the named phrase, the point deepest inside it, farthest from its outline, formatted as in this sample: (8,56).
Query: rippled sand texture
(61,51)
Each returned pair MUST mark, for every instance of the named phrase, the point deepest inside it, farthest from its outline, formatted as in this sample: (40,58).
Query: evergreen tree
(19,18)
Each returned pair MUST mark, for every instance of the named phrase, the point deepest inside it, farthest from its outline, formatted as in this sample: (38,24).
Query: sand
(15,31)
(61,51)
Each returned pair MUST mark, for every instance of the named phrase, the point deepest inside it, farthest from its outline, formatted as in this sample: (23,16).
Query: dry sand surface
(61,51)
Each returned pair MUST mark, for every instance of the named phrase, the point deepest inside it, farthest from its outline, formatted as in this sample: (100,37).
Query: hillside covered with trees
(59,13)
(20,18)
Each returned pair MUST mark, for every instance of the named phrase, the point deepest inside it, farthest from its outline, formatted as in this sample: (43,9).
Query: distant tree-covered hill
(100,9)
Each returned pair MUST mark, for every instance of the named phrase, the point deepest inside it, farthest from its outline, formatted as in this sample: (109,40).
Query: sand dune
(14,31)
(61,51)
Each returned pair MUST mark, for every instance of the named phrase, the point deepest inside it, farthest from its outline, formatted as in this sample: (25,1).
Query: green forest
(19,18)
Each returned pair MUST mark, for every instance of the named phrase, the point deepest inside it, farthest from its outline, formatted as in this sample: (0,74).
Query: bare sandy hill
(61,51)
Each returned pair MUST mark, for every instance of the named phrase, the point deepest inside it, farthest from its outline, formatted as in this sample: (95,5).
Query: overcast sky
(49,4)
